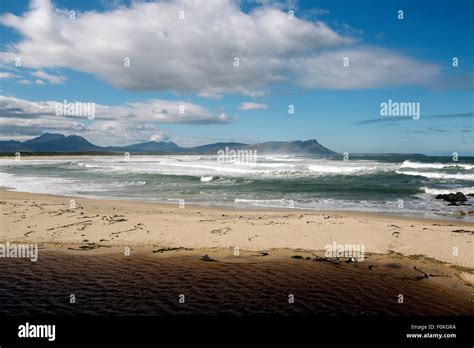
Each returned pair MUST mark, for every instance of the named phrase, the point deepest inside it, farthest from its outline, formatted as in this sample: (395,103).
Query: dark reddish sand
(148,285)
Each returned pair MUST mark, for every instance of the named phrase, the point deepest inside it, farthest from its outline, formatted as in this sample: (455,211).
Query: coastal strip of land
(92,223)
(201,250)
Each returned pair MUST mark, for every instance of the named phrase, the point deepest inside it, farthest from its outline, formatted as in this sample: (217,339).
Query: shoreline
(430,218)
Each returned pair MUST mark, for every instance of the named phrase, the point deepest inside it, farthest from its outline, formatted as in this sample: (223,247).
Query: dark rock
(452,198)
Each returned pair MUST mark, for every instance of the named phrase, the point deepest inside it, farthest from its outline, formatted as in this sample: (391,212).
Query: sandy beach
(47,219)
(266,253)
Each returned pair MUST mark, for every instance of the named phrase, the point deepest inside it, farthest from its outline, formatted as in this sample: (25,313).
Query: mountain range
(59,143)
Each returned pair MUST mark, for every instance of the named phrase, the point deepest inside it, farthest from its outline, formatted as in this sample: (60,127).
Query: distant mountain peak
(45,137)
(53,142)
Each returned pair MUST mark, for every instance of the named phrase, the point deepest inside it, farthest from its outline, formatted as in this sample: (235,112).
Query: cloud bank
(207,47)
(128,122)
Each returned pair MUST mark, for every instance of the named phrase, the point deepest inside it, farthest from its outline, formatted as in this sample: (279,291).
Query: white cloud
(153,110)
(196,54)
(133,121)
(367,68)
(55,80)
(253,106)
(7,75)
(159,136)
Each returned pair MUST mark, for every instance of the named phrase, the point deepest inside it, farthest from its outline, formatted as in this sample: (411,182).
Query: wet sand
(150,283)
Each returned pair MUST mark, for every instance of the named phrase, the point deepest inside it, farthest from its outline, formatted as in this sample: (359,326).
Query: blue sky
(283,61)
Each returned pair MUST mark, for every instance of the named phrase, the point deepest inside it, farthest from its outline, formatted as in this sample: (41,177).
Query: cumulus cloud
(365,68)
(132,121)
(159,136)
(215,48)
(253,106)
(55,80)
(7,75)
(153,110)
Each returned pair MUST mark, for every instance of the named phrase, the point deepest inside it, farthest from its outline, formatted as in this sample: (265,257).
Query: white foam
(432,191)
(137,182)
(47,185)
(418,165)
(268,203)
(457,176)
(243,200)
(349,169)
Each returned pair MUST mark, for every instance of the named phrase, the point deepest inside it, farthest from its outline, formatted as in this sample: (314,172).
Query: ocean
(400,184)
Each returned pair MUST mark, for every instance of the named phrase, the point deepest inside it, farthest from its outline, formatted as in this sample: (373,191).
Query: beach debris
(396,234)
(262,253)
(206,258)
(86,216)
(297,257)
(371,267)
(252,237)
(113,219)
(424,276)
(136,227)
(222,230)
(81,223)
(89,246)
(463,231)
(162,250)
(326,260)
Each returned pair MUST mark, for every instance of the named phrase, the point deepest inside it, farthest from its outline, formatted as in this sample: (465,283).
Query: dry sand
(48,219)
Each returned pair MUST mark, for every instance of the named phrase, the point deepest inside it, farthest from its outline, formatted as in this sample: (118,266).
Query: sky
(203,71)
